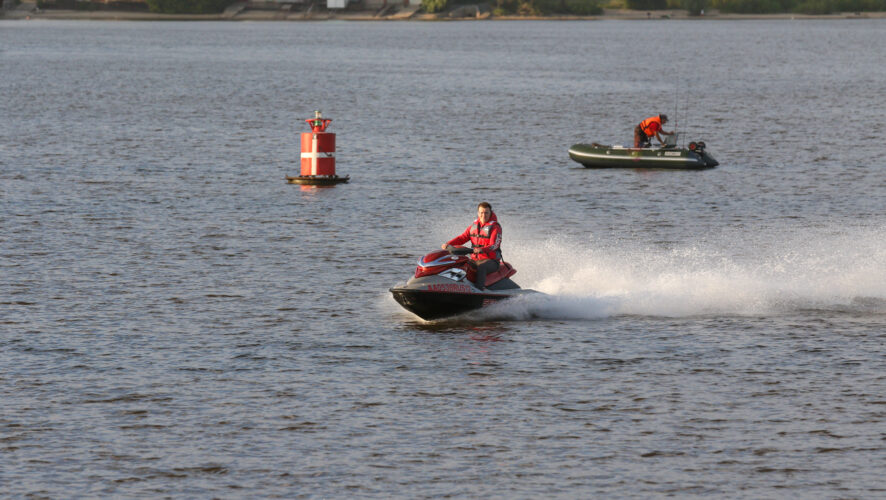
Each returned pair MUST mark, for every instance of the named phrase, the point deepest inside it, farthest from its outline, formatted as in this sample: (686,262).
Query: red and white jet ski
(443,285)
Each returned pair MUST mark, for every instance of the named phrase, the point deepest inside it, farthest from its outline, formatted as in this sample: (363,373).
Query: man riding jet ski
(485,236)
(447,283)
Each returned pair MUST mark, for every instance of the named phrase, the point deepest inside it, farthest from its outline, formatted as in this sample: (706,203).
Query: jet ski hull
(430,305)
(604,156)
(442,286)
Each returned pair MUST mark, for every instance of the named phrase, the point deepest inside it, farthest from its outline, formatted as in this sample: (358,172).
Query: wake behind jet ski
(443,285)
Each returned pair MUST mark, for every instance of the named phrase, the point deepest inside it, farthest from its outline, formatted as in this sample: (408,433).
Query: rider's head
(484,212)
(664,118)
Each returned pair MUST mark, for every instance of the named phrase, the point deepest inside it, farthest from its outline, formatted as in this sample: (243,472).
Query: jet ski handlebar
(459,250)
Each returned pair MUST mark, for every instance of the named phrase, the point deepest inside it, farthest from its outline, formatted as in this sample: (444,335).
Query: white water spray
(828,269)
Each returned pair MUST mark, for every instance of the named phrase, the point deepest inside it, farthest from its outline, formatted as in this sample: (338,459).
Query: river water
(176,320)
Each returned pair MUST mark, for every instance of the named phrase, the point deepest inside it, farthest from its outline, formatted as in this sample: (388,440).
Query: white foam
(736,273)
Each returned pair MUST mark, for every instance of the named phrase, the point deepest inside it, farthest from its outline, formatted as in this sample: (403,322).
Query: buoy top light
(318,124)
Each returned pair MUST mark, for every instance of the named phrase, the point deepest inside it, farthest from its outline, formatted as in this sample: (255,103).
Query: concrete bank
(242,11)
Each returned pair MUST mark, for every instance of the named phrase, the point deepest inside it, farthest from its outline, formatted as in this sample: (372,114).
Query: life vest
(485,235)
(650,125)
(482,236)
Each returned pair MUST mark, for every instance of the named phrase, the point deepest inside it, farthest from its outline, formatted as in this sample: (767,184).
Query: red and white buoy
(317,155)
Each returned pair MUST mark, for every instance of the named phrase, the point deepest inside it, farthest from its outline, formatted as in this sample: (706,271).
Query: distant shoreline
(31,13)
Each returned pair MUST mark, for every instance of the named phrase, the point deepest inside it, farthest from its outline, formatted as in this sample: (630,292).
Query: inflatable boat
(693,157)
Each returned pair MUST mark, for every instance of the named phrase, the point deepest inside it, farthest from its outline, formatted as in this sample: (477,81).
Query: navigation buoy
(318,155)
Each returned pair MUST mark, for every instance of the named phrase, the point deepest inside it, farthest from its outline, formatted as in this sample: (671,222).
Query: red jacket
(487,237)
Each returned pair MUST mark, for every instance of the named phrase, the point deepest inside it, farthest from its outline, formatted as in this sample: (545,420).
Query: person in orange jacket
(485,237)
(648,128)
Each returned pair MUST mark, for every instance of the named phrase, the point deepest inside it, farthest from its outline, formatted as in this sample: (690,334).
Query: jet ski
(443,285)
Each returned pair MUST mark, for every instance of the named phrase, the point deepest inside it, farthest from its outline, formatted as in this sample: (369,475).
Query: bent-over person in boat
(648,128)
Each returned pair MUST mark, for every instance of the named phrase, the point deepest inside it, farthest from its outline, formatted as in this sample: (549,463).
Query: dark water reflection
(175,320)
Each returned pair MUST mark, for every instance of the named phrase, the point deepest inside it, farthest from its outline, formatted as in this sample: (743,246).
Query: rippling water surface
(176,320)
